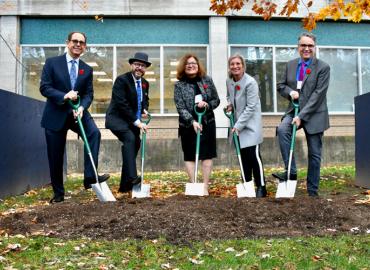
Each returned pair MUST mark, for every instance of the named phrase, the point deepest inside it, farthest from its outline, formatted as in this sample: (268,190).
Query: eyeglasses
(191,64)
(310,46)
(139,65)
(76,41)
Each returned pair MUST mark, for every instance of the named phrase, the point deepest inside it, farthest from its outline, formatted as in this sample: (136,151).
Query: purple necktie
(301,72)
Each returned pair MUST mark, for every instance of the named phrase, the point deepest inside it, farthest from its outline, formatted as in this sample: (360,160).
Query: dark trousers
(252,164)
(314,145)
(130,139)
(56,141)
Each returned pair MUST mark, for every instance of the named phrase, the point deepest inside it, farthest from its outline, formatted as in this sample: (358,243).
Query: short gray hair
(307,34)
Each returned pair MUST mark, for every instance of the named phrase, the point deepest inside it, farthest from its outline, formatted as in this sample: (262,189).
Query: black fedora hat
(140,57)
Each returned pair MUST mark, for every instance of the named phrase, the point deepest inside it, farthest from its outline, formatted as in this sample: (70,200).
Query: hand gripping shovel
(101,190)
(244,189)
(195,188)
(142,190)
(286,189)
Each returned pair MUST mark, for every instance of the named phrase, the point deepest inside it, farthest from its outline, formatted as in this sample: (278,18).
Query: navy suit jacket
(121,113)
(313,109)
(55,83)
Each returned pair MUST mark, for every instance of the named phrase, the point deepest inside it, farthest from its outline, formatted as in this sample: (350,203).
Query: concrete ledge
(166,155)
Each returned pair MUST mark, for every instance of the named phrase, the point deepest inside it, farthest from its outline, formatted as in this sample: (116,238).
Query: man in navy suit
(306,80)
(64,78)
(129,104)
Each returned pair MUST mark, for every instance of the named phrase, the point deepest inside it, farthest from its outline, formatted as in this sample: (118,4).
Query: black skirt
(207,148)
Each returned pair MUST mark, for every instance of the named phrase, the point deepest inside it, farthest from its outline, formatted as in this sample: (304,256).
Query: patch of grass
(343,252)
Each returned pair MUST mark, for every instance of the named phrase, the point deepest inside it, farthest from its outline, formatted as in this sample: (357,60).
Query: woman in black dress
(195,87)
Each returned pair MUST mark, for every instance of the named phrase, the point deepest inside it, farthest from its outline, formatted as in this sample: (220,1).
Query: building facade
(35,30)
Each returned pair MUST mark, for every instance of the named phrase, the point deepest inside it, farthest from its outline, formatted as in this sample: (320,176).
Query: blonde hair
(231,58)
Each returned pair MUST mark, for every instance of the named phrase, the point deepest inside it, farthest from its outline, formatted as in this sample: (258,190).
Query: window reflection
(365,70)
(259,65)
(343,85)
(283,55)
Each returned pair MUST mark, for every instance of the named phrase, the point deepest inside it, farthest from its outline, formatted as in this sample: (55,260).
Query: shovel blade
(195,189)
(141,191)
(286,189)
(99,193)
(109,197)
(246,190)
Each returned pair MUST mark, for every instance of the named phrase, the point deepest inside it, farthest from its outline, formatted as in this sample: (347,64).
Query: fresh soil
(181,219)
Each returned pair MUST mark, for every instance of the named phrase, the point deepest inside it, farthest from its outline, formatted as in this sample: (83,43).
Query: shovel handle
(75,107)
(230,115)
(146,121)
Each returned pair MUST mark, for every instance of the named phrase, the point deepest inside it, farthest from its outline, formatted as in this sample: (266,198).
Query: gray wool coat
(244,97)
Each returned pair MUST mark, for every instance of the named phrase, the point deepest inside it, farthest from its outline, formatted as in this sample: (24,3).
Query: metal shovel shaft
(200,114)
(292,142)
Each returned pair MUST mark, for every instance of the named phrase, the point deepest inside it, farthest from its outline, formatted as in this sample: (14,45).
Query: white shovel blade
(99,193)
(195,189)
(109,197)
(286,189)
(246,189)
(141,191)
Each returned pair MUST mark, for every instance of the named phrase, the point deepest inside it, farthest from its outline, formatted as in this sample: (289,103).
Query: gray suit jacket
(247,110)
(313,110)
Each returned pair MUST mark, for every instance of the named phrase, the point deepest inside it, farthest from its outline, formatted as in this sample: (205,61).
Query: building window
(267,65)
(108,62)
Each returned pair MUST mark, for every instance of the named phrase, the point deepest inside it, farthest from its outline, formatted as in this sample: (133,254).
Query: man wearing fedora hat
(129,101)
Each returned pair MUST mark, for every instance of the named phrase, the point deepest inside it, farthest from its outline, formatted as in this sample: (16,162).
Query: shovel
(142,190)
(287,188)
(195,188)
(244,189)
(101,190)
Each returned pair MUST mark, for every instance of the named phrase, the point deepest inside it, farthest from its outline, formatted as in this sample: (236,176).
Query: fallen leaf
(241,253)
(230,249)
(316,258)
(194,261)
(165,266)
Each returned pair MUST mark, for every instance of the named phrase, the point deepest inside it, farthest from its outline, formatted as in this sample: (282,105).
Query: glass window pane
(33,59)
(101,60)
(259,65)
(283,55)
(171,57)
(365,72)
(151,74)
(343,78)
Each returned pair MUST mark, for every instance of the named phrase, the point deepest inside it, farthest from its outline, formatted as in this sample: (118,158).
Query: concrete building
(33,30)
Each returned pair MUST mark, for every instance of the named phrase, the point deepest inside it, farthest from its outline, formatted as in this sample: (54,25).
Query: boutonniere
(143,85)
(308,71)
(205,86)
(81,72)
(237,87)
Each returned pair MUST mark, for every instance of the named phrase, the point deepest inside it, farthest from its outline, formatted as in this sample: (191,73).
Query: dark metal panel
(23,160)
(362,139)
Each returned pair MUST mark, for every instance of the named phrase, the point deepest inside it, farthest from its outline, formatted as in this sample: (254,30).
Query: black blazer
(121,113)
(55,83)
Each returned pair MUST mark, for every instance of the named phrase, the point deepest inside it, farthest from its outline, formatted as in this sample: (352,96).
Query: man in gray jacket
(306,81)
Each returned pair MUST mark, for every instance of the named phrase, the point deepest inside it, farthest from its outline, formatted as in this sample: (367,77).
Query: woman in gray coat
(195,87)
(243,99)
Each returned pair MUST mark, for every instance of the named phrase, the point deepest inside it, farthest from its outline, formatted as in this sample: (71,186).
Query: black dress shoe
(88,181)
(283,176)
(136,180)
(57,199)
(261,192)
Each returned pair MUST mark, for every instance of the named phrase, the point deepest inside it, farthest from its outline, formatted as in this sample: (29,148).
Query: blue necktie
(72,73)
(138,91)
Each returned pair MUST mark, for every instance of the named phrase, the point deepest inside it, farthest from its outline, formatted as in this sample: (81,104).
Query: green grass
(344,252)
(339,252)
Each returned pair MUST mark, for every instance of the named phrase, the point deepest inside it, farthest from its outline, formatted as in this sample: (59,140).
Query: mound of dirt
(180,219)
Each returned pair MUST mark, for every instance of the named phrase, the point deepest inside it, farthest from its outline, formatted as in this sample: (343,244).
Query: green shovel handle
(143,139)
(294,132)
(75,107)
(200,114)
(230,115)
